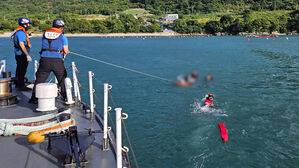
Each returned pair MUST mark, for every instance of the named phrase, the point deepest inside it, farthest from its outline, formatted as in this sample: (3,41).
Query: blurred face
(61,28)
(26,26)
(208,77)
(211,98)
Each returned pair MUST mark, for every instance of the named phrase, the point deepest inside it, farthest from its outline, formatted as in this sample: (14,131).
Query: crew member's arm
(22,45)
(66,49)
(65,45)
(22,39)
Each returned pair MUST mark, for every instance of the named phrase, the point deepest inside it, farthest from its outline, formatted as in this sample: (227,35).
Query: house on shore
(169,18)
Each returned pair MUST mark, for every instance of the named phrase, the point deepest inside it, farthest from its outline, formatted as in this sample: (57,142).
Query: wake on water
(198,107)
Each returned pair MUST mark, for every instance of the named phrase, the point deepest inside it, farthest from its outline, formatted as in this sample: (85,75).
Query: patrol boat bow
(76,136)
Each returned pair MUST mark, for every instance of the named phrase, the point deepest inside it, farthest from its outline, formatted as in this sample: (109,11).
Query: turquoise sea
(256,88)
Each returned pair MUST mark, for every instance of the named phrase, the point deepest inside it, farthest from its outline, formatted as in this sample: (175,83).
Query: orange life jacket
(27,37)
(52,42)
(56,30)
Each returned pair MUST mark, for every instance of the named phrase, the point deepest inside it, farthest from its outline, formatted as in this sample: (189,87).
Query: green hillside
(115,16)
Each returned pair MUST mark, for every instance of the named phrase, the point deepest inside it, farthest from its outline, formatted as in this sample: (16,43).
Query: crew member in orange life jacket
(22,48)
(209,100)
(54,49)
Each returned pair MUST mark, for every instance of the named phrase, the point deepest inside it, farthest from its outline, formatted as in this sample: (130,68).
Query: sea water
(255,90)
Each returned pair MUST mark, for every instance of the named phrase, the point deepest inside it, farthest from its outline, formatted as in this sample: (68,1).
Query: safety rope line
(98,81)
(129,141)
(121,67)
(110,118)
(127,134)
(129,161)
(111,121)
(100,101)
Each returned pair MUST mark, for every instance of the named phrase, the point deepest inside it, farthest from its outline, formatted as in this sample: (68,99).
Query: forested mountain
(208,6)
(107,16)
(83,7)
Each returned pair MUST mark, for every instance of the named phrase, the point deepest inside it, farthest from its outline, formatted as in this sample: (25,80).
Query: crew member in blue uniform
(22,49)
(54,49)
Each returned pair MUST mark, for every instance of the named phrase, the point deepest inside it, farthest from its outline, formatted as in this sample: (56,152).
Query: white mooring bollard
(46,94)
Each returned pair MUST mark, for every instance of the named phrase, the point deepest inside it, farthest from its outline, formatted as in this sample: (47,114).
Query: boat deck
(16,152)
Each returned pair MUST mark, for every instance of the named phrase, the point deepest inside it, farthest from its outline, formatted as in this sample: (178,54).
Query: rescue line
(121,67)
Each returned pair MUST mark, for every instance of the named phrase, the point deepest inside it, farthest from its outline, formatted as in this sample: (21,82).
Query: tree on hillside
(44,27)
(226,22)
(131,24)
(6,25)
(257,25)
(283,21)
(237,26)
(265,25)
(274,26)
(213,27)
(114,25)
(246,15)
(99,27)
(293,23)
(180,26)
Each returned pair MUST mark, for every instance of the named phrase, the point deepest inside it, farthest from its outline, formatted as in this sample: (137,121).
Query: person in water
(209,100)
(208,78)
(192,77)
(188,80)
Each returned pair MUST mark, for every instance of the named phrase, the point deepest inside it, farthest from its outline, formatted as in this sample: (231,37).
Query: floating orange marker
(223,131)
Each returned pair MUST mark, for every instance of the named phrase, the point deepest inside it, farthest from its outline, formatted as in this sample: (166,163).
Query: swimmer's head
(210,96)
(194,74)
(209,77)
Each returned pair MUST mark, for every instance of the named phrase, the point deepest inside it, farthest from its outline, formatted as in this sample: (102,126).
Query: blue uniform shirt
(20,36)
(56,44)
(64,40)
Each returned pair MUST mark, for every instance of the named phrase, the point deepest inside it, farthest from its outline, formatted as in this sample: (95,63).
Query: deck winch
(4,87)
(46,94)
(6,96)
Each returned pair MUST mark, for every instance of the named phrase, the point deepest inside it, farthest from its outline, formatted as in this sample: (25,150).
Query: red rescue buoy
(223,131)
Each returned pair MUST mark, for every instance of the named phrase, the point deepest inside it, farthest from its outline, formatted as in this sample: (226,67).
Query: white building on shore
(169,18)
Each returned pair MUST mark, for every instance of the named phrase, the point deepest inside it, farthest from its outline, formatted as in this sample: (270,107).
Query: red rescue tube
(223,130)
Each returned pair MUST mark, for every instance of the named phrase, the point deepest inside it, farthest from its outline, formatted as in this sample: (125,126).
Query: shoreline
(162,34)
(7,35)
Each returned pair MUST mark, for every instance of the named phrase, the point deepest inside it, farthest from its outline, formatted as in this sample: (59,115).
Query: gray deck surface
(16,152)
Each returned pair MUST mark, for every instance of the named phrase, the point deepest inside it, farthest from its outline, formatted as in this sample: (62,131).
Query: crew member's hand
(29,59)
(64,56)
